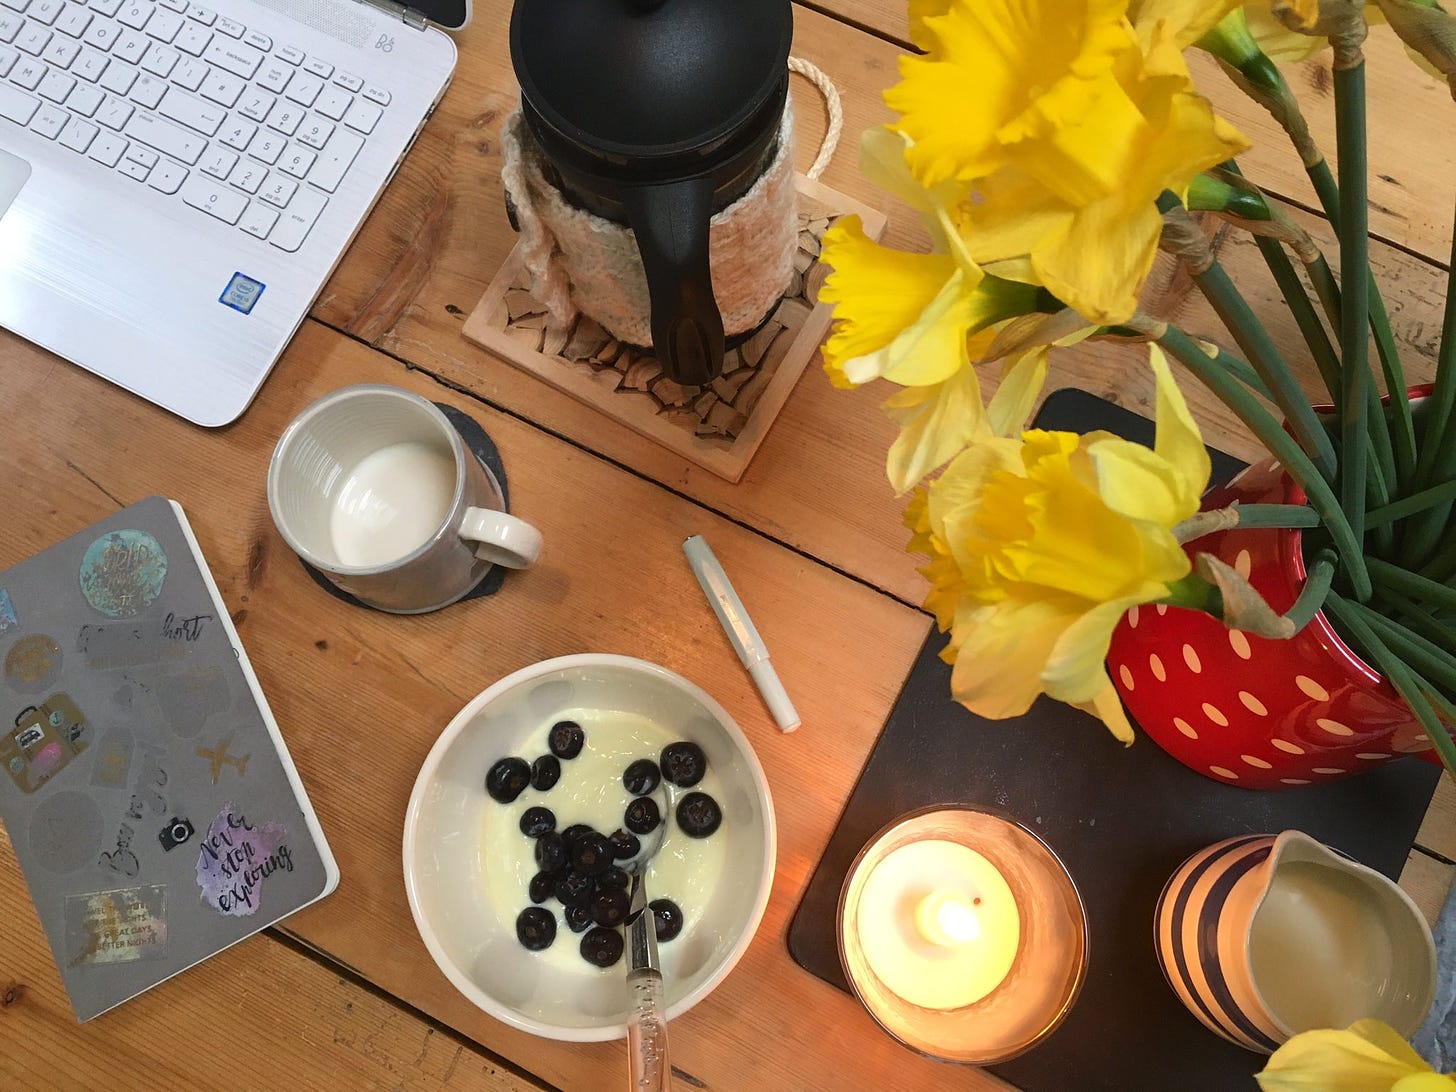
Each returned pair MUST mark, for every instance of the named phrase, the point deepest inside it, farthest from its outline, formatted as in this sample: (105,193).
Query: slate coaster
(1122,819)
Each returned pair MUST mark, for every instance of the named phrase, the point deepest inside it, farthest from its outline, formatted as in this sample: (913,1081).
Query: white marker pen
(740,629)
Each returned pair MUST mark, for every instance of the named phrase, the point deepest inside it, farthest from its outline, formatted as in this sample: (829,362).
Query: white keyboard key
(297,220)
(144,156)
(256,104)
(248,176)
(291,54)
(190,73)
(231,27)
(335,159)
(377,95)
(135,14)
(129,47)
(118,78)
(205,16)
(192,112)
(164,25)
(160,60)
(17,105)
(102,34)
(8,57)
(267,147)
(240,60)
(296,161)
(219,162)
(237,132)
(259,41)
(222,87)
(259,220)
(107,8)
(56,86)
(363,116)
(33,39)
(304,88)
(79,135)
(84,100)
(274,75)
(15,5)
(168,177)
(192,38)
(285,117)
(279,191)
(49,120)
(115,113)
(10,24)
(322,69)
(179,6)
(166,138)
(74,21)
(28,73)
(315,132)
(90,64)
(213,198)
(107,148)
(133,170)
(148,91)
(349,82)
(45,11)
(334,103)
(61,52)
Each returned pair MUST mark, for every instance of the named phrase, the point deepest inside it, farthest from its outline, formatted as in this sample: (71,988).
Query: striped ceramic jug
(1263,937)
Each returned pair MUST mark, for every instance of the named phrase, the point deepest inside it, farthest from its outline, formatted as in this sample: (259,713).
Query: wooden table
(344,994)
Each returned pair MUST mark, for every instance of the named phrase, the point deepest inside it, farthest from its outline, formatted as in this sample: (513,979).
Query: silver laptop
(178,181)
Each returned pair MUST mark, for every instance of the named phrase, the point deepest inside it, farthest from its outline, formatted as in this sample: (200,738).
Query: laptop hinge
(409,16)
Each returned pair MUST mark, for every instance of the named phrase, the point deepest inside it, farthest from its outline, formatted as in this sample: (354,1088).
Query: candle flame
(946,919)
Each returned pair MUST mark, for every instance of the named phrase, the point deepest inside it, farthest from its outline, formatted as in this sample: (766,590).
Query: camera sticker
(122,573)
(218,757)
(45,739)
(176,832)
(8,621)
(66,831)
(117,926)
(32,663)
(237,860)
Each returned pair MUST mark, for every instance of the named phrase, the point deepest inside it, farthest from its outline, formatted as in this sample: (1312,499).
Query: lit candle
(938,924)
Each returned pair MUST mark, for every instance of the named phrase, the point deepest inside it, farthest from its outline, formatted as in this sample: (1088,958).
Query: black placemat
(479,443)
(1122,819)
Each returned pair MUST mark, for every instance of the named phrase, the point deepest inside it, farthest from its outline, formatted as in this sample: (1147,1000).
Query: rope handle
(814,75)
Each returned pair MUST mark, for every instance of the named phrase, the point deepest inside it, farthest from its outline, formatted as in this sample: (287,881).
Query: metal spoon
(647,1021)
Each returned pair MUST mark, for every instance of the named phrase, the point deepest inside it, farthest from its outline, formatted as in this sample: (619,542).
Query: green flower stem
(1405,681)
(1303,311)
(1444,493)
(1245,374)
(1414,617)
(1420,654)
(1278,515)
(1283,447)
(1355,261)
(1442,565)
(1195,593)
(1420,588)
(1316,589)
(1327,289)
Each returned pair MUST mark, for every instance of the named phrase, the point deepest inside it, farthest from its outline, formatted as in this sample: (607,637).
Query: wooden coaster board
(720,426)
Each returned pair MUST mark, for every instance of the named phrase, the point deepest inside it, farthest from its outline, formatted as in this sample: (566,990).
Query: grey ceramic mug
(373,487)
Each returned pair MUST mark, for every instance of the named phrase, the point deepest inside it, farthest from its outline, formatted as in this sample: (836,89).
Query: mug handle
(501,538)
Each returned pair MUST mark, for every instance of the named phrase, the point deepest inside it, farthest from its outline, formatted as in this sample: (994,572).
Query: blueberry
(536,928)
(683,763)
(610,907)
(574,889)
(641,777)
(507,779)
(565,739)
(574,832)
(624,845)
(642,815)
(591,854)
(545,772)
(667,918)
(577,917)
(601,947)
(698,814)
(543,885)
(613,879)
(550,851)
(537,821)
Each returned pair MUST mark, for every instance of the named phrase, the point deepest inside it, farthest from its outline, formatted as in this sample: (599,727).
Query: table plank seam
(854,24)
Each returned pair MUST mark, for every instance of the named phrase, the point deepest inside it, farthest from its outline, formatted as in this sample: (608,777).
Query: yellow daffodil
(1184,20)
(1368,1056)
(1039,544)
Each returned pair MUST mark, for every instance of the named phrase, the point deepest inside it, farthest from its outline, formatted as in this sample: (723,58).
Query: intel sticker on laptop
(241,293)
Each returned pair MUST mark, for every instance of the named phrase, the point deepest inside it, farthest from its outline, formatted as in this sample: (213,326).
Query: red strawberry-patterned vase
(1247,710)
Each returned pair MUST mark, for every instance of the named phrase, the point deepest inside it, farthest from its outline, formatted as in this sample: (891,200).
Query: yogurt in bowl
(467,865)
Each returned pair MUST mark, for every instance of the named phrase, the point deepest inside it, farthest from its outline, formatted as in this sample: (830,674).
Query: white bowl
(468,936)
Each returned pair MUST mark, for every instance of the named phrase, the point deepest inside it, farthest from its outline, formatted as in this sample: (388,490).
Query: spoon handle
(647,1034)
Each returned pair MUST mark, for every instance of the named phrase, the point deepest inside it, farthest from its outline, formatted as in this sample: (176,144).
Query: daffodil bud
(1427,30)
(1243,607)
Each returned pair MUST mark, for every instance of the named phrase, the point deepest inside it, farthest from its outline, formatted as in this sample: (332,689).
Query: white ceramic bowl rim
(428,770)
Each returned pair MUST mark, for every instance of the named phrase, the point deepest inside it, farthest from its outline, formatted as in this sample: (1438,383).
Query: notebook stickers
(122,573)
(236,861)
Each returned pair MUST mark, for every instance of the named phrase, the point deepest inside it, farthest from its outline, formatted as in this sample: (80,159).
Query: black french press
(657,114)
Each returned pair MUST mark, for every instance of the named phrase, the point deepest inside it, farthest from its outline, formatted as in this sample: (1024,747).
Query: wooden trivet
(718,426)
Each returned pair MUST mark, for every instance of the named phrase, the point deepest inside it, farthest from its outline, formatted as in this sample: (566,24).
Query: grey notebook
(145,786)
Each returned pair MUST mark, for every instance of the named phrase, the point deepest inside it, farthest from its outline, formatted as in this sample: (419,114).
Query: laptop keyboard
(189,103)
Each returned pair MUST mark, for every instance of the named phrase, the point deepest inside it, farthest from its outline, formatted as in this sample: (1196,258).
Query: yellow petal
(1022,380)
(1278,41)
(882,162)
(936,423)
(1107,708)
(1186,20)
(998,666)
(1139,484)
(921,10)
(1363,1060)
(1075,671)
(1098,264)
(1178,439)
